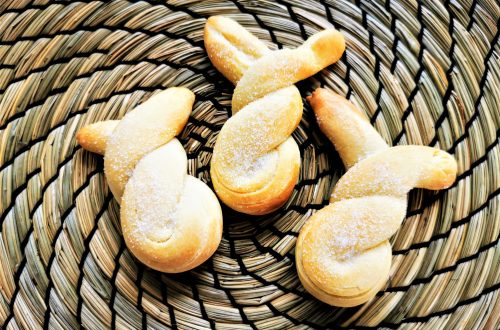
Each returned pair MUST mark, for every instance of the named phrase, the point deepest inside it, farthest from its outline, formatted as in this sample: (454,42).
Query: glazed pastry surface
(343,254)
(256,162)
(171,221)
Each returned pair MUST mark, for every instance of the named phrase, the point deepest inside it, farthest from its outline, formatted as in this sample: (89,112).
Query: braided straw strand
(170,220)
(255,162)
(343,253)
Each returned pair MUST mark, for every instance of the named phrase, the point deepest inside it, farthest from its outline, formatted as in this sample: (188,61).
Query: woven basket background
(426,72)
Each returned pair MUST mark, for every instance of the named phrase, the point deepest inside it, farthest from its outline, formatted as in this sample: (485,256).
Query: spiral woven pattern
(425,72)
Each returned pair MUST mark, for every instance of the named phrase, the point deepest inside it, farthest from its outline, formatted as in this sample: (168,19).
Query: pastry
(171,221)
(256,162)
(343,255)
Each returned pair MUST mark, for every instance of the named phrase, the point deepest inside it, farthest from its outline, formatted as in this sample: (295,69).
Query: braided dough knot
(343,254)
(256,162)
(170,220)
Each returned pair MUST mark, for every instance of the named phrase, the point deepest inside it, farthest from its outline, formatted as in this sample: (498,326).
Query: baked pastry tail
(343,252)
(171,221)
(256,162)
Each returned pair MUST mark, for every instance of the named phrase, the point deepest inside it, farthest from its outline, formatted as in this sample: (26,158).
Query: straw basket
(426,72)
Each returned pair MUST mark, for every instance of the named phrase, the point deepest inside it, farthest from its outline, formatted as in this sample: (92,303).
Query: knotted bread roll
(171,221)
(255,163)
(343,254)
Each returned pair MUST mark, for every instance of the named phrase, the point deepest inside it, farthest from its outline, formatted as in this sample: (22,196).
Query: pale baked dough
(171,221)
(343,255)
(255,163)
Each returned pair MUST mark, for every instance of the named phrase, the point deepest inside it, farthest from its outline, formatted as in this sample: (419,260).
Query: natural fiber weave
(426,72)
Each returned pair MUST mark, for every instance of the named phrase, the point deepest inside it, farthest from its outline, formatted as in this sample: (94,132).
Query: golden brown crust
(346,126)
(255,163)
(94,137)
(343,254)
(147,127)
(231,48)
(285,67)
(171,221)
(273,194)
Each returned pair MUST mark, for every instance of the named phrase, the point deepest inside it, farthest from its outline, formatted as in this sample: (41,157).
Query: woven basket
(425,72)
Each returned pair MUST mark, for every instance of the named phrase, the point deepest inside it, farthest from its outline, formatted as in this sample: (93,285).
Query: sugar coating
(344,249)
(147,127)
(171,221)
(247,150)
(132,147)
(155,191)
(231,48)
(266,106)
